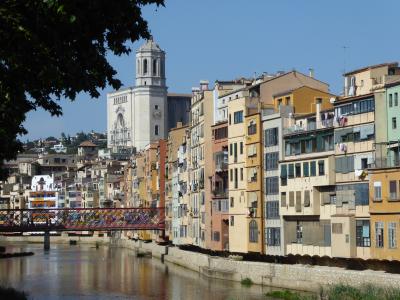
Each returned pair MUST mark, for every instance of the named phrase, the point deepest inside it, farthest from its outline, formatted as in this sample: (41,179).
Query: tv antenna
(344,58)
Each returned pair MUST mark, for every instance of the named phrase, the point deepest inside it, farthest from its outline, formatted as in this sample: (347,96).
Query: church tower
(137,116)
(150,107)
(150,65)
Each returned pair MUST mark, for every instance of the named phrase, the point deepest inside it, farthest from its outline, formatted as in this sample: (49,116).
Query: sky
(227,39)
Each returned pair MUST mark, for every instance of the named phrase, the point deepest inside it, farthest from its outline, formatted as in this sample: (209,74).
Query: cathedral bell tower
(150,65)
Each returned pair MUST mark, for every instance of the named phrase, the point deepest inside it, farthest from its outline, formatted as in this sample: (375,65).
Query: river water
(84,272)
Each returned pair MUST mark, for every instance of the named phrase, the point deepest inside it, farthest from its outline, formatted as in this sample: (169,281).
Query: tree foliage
(52,49)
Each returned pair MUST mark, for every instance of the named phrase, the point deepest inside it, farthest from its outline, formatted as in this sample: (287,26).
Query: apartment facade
(219,225)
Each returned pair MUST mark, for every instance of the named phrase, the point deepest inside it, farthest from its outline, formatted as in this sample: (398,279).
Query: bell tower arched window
(145,66)
(154,67)
(138,67)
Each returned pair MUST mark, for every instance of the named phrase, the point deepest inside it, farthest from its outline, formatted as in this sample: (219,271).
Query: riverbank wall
(298,277)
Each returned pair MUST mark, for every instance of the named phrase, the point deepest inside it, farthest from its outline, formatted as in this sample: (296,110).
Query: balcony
(221,161)
(310,126)
(219,191)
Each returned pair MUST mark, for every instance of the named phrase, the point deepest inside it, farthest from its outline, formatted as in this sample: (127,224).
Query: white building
(138,115)
(43,193)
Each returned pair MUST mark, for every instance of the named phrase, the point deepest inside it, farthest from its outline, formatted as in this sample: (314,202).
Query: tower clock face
(157,114)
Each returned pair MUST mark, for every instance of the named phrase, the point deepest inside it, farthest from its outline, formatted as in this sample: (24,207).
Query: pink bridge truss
(81,219)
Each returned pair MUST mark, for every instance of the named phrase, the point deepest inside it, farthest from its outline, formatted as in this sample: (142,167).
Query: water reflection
(84,272)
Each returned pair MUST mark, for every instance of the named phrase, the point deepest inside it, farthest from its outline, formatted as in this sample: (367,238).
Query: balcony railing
(220,192)
(328,123)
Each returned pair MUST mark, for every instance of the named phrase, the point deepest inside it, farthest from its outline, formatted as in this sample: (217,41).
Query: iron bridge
(81,219)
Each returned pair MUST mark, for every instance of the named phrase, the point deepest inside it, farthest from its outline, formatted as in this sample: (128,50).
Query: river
(84,272)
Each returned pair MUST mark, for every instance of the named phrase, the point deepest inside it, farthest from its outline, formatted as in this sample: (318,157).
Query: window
(156,129)
(393,190)
(396,99)
(283,199)
(377,191)
(291,199)
(154,67)
(307,200)
(337,228)
(230,119)
(390,100)
(321,167)
(298,201)
(241,147)
(230,149)
(238,117)
(156,107)
(221,133)
(216,236)
(232,202)
(232,220)
(235,152)
(231,171)
(392,235)
(236,178)
(271,161)
(253,231)
(298,169)
(306,172)
(273,236)
(344,164)
(363,238)
(272,210)
(145,66)
(364,163)
(379,234)
(394,123)
(291,171)
(272,185)
(283,175)
(252,174)
(241,174)
(313,171)
(252,128)
(271,137)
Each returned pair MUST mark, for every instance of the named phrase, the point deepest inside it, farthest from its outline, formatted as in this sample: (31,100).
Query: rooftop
(363,69)
(87,144)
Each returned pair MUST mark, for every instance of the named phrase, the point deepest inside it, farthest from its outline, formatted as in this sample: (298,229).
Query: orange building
(219,225)
(384,208)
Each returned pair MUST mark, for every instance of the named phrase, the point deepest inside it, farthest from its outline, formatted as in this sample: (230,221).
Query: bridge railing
(81,219)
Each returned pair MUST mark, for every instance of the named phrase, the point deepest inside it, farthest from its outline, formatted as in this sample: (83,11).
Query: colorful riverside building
(307,180)
(384,181)
(217,212)
(202,118)
(359,127)
(219,225)
(176,201)
(246,189)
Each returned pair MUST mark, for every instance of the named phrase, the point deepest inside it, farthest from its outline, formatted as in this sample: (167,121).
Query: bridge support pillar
(47,240)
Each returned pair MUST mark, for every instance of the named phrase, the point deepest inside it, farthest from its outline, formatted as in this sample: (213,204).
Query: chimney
(311,72)
(195,91)
(204,85)
(318,103)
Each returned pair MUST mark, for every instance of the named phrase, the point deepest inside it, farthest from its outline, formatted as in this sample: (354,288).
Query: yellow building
(245,175)
(254,191)
(384,191)
(303,99)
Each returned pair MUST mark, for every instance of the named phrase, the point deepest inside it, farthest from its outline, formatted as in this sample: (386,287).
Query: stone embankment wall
(298,277)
